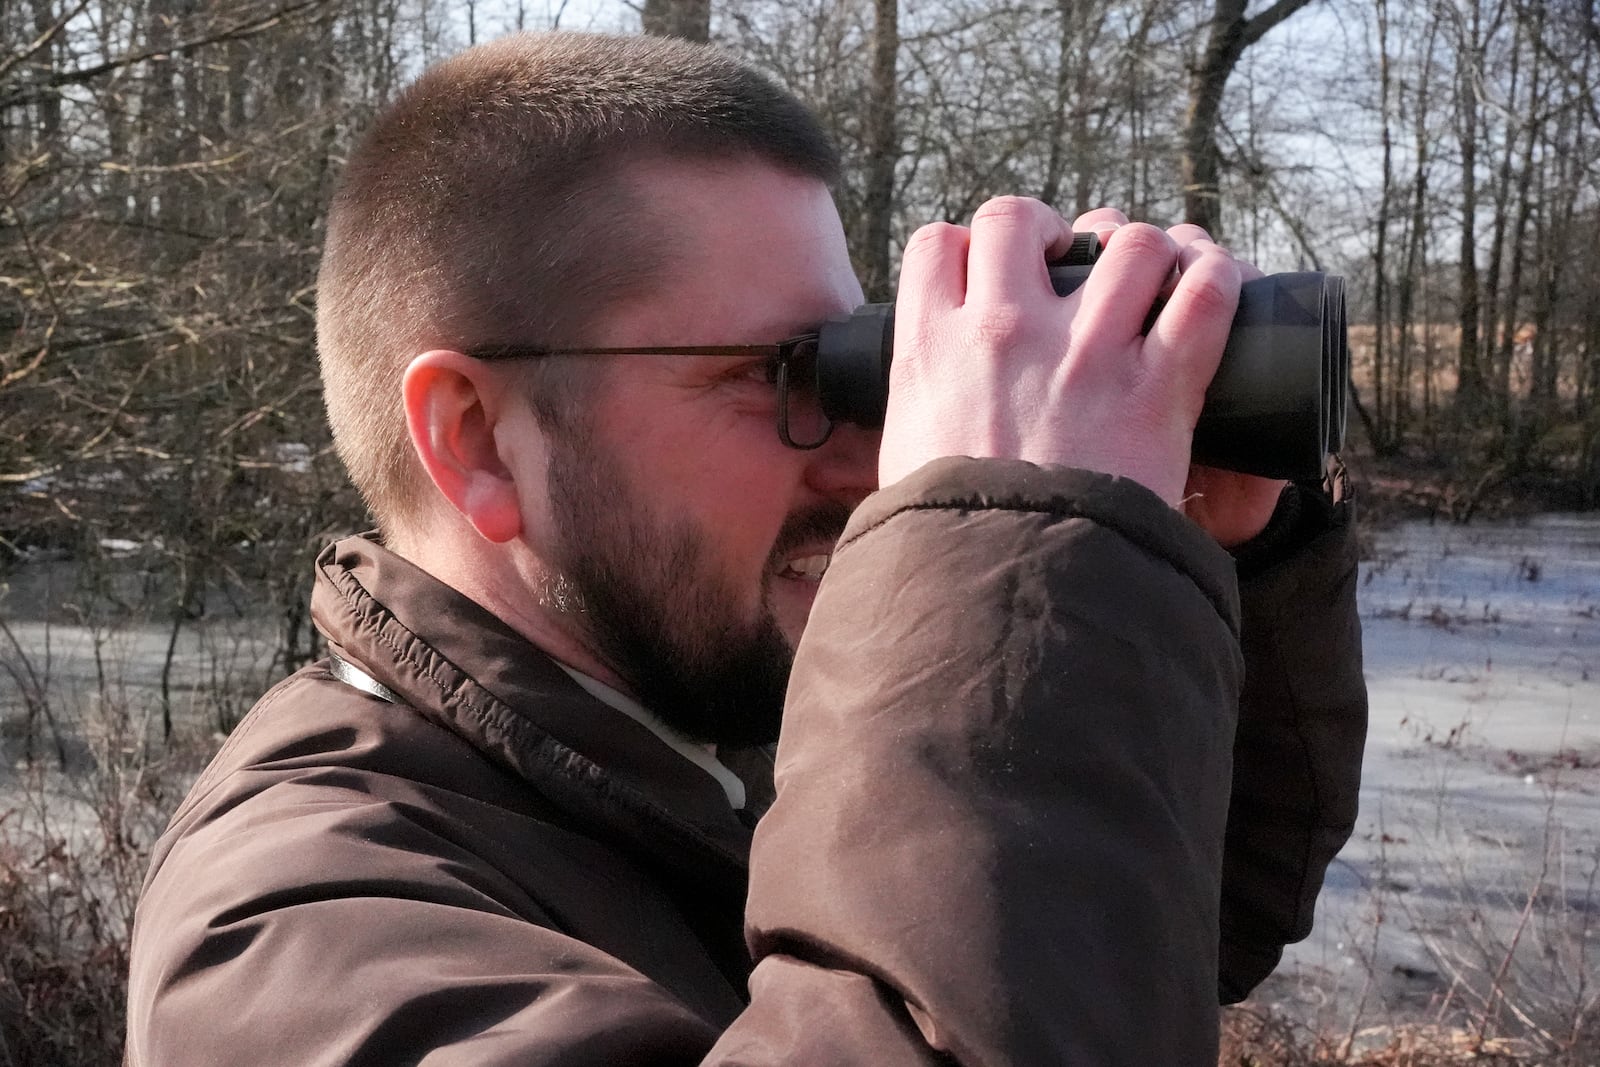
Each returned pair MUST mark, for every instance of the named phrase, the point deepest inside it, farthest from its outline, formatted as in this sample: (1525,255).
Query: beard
(660,610)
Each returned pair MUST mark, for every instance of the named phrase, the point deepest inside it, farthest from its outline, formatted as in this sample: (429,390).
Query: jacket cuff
(964,483)
(1306,511)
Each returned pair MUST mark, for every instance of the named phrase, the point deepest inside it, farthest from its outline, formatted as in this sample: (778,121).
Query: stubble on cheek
(657,604)
(559,594)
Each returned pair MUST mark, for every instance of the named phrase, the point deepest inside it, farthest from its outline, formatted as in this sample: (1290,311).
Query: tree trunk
(1469,371)
(882,150)
(1066,12)
(1380,242)
(1079,23)
(1416,242)
(1230,34)
(49,113)
(689,19)
(1499,378)
(1558,196)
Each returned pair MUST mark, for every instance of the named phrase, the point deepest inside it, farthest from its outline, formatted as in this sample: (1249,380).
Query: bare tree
(1230,32)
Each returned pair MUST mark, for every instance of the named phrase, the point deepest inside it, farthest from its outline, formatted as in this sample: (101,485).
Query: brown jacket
(1002,794)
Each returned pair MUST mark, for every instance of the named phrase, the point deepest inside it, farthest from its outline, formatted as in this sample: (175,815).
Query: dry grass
(1252,1037)
(62,961)
(85,788)
(74,845)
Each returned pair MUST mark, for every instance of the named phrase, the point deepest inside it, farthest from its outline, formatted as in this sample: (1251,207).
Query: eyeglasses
(791,367)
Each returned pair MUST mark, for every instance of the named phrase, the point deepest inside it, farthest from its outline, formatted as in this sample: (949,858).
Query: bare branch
(237,32)
(42,41)
(1259,26)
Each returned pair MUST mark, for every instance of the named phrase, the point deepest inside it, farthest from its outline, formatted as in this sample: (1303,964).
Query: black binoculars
(1276,407)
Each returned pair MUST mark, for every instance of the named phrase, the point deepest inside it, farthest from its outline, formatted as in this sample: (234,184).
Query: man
(501,824)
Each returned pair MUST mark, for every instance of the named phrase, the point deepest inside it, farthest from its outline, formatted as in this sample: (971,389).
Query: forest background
(164,166)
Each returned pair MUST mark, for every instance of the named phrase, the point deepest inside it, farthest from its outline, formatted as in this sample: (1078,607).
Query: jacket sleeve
(1302,727)
(1002,784)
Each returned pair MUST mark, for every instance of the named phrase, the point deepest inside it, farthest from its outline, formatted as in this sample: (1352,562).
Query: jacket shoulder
(339,838)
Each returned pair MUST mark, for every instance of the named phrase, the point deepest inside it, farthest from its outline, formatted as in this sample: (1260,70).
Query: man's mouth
(806,568)
(805,545)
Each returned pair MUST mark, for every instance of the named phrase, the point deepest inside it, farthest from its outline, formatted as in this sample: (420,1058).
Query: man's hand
(989,361)
(1231,507)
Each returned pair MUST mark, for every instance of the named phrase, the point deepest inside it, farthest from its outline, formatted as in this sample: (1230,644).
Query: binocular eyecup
(1276,407)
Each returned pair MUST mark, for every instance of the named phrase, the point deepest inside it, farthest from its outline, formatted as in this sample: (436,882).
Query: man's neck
(520,592)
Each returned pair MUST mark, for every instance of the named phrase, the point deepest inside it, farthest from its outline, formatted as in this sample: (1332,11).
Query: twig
(1348,1043)
(42,41)
(1496,993)
(238,31)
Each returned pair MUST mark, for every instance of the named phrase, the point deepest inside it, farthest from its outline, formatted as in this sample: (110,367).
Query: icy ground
(1470,885)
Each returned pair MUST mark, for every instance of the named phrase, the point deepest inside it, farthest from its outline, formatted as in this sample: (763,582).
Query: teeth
(811,568)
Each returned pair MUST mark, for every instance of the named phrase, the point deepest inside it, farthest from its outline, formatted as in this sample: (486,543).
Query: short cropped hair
(488,205)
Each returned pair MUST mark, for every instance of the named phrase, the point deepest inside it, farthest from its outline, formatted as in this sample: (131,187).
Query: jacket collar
(460,666)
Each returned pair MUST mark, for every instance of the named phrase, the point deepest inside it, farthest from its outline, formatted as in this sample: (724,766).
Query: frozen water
(1473,866)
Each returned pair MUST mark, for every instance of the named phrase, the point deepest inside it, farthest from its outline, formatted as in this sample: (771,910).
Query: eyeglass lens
(801,421)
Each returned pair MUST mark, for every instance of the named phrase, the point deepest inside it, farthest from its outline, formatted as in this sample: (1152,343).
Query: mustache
(820,522)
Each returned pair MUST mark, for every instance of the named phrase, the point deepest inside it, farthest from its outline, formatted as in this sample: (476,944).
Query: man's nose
(845,468)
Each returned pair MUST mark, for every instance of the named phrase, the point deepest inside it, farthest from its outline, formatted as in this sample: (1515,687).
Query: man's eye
(764,371)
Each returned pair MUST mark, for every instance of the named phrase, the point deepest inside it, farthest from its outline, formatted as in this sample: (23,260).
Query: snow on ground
(1480,821)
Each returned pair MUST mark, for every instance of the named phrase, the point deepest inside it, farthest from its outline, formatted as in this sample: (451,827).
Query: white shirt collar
(696,754)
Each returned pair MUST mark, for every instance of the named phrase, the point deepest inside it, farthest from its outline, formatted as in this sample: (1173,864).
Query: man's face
(693,538)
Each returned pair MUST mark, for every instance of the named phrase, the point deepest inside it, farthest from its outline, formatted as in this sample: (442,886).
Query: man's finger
(1013,240)
(1127,279)
(1187,233)
(933,271)
(1189,334)
(1101,220)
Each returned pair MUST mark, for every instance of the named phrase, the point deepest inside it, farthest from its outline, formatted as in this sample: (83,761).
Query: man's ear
(452,405)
